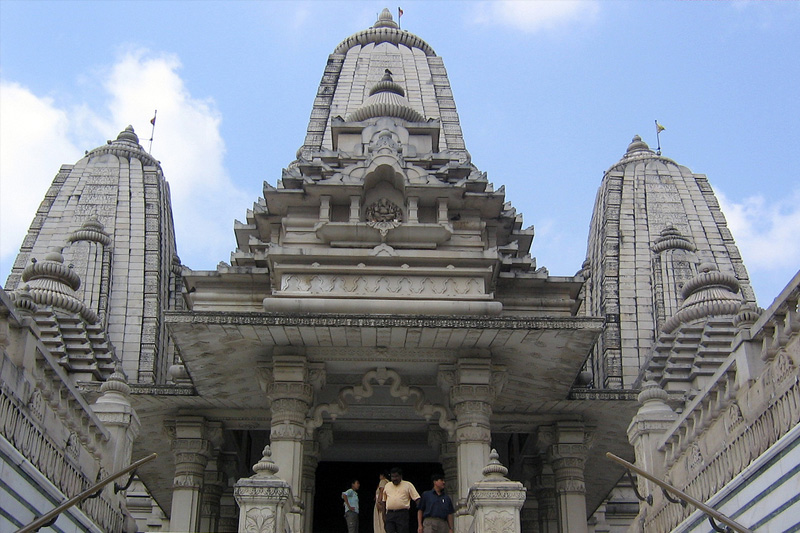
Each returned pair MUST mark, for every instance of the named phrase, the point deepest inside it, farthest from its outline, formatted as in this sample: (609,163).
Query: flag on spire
(399,13)
(659,129)
(153,130)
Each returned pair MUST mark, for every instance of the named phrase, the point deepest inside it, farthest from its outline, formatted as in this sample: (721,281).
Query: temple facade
(382,307)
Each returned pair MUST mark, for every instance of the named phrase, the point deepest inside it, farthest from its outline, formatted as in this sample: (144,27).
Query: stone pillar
(113,408)
(651,422)
(471,396)
(213,485)
(544,488)
(529,515)
(310,461)
(494,501)
(191,449)
(567,456)
(263,499)
(228,511)
(290,395)
(473,384)
(449,459)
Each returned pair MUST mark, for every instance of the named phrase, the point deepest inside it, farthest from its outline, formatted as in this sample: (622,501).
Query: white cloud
(533,16)
(766,234)
(187,136)
(205,201)
(35,143)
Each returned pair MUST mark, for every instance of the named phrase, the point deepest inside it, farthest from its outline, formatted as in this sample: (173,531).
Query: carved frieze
(474,434)
(359,285)
(733,417)
(694,461)
(287,431)
(273,493)
(290,390)
(782,368)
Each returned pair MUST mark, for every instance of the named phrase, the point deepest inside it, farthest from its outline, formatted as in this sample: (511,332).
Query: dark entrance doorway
(333,478)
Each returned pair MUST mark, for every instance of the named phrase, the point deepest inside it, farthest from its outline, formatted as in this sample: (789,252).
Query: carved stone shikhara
(381,288)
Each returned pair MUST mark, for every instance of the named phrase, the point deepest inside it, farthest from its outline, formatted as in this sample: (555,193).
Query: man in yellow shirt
(397,498)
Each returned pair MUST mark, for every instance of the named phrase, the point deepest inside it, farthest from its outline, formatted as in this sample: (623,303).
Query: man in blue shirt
(350,497)
(435,509)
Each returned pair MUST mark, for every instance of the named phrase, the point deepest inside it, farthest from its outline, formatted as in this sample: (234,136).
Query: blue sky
(549,95)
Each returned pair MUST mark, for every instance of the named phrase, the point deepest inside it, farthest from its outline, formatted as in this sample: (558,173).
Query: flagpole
(152,131)
(658,138)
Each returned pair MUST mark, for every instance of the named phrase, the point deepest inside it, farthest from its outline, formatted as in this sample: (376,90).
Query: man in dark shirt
(435,509)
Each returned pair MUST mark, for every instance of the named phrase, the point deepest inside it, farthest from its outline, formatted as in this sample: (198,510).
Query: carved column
(213,485)
(263,499)
(529,515)
(544,488)
(471,395)
(449,460)
(228,512)
(567,456)
(311,449)
(473,387)
(191,449)
(290,395)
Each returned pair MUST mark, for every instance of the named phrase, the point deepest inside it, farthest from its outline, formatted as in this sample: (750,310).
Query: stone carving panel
(358,285)
(260,520)
(498,522)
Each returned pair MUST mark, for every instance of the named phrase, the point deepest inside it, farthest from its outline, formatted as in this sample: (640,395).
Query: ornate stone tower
(107,221)
(654,223)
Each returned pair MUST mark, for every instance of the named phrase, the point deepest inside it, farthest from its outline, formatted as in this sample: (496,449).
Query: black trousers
(397,521)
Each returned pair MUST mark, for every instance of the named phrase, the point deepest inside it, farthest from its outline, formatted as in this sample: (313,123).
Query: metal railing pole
(682,495)
(47,518)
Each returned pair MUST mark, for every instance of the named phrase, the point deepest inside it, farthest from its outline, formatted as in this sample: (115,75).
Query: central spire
(417,88)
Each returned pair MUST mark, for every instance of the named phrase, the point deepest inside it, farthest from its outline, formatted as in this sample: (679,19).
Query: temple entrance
(334,477)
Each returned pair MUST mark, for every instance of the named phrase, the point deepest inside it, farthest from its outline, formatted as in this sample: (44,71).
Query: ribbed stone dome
(125,145)
(709,293)
(671,238)
(385,30)
(385,20)
(51,282)
(386,99)
(638,145)
(128,135)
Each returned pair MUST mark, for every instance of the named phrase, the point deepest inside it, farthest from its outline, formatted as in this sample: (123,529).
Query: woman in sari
(379,514)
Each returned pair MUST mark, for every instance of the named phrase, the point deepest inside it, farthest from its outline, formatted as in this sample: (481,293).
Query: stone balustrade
(735,420)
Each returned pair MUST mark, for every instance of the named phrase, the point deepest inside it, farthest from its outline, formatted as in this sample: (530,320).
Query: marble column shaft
(191,450)
(567,456)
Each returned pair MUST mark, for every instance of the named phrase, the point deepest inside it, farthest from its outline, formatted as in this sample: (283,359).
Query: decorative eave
(638,150)
(385,30)
(126,146)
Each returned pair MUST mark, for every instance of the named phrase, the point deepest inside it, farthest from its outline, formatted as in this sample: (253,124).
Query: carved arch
(397,389)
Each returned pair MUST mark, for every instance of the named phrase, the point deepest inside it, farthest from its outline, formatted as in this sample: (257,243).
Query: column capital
(565,432)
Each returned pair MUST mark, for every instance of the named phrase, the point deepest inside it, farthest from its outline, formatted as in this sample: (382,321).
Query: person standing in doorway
(435,509)
(397,497)
(350,497)
(379,514)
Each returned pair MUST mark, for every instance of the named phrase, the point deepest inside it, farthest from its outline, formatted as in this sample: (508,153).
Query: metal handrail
(49,518)
(712,514)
